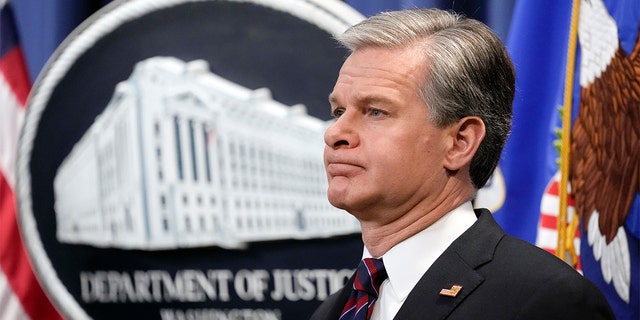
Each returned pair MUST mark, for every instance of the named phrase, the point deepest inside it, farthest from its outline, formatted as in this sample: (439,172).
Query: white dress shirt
(407,261)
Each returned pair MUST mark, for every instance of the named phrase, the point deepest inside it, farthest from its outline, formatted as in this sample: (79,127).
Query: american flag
(21,296)
(547,237)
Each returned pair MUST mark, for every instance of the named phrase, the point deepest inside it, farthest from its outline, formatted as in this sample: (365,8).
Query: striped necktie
(369,276)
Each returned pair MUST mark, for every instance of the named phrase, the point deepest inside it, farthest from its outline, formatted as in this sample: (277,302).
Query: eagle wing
(605,139)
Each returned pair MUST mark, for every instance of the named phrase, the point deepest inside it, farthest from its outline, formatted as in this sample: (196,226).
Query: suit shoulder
(515,251)
(542,283)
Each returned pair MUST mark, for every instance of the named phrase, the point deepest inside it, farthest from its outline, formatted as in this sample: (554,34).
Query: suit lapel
(333,305)
(456,266)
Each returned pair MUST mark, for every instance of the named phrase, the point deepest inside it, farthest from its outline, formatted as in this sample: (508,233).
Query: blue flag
(603,161)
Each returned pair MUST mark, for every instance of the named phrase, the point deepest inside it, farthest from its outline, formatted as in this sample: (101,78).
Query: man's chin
(344,196)
(340,201)
(345,203)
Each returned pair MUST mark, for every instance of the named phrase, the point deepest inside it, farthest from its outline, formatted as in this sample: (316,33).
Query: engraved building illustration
(181,157)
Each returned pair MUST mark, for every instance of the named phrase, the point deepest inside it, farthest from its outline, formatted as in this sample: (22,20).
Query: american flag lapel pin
(451,292)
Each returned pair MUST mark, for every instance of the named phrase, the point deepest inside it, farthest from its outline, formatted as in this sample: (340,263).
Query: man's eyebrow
(365,98)
(332,98)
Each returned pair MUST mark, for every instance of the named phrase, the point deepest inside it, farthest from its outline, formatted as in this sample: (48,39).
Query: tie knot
(369,276)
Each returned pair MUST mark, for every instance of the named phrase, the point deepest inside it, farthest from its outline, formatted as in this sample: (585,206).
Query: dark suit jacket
(501,277)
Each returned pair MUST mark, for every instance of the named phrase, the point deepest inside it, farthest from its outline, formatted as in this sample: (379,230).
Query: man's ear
(466,135)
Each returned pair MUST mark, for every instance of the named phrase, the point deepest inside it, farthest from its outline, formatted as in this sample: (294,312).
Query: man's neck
(380,238)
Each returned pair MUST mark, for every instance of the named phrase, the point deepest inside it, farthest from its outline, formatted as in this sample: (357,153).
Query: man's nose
(341,133)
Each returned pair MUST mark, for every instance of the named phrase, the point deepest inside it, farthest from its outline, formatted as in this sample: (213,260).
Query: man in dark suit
(422,109)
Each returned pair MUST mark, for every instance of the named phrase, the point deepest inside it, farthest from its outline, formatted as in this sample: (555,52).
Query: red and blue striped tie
(369,276)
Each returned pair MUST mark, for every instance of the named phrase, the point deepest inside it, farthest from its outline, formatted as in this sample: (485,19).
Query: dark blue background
(42,25)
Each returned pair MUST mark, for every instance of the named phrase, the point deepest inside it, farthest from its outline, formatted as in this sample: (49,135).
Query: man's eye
(337,113)
(376,113)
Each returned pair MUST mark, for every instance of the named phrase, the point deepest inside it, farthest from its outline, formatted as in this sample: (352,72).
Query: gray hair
(470,72)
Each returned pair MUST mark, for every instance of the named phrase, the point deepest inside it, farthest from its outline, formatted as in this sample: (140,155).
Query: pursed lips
(342,168)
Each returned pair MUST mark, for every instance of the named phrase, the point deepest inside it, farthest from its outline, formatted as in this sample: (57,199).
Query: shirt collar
(408,261)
